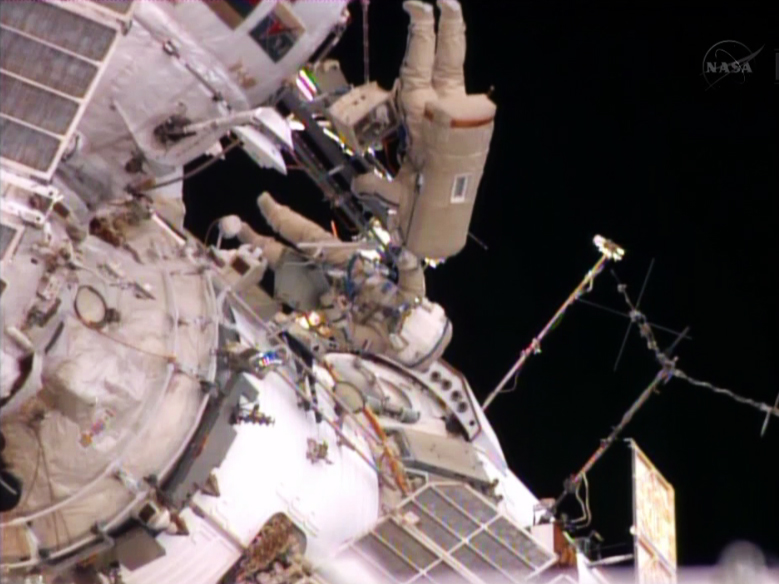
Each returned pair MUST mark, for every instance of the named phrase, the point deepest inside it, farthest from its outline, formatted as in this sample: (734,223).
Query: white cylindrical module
(259,43)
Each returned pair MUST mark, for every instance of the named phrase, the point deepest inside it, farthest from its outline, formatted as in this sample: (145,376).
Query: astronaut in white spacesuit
(448,136)
(364,309)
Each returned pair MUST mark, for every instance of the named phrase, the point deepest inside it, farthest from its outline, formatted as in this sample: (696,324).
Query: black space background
(605,127)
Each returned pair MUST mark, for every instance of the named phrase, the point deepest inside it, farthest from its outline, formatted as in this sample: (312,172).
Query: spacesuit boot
(297,229)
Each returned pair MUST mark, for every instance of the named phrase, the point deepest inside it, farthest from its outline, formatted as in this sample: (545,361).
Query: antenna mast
(366,54)
(668,371)
(609,251)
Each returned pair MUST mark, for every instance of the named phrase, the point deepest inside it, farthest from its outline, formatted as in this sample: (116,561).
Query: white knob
(230,226)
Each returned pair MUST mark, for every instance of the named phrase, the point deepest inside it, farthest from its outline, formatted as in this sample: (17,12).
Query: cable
(397,469)
(513,384)
(34,478)
(586,517)
(208,231)
(51,488)
(587,501)
(169,358)
(195,171)
(726,392)
(583,518)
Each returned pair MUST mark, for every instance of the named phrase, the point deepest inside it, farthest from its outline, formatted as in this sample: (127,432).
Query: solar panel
(479,566)
(382,555)
(59,27)
(36,106)
(51,58)
(26,146)
(520,542)
(500,555)
(432,502)
(430,527)
(469,503)
(45,65)
(447,533)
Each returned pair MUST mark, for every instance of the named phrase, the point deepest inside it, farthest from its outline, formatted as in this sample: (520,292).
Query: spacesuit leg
(272,250)
(416,73)
(390,193)
(448,73)
(297,229)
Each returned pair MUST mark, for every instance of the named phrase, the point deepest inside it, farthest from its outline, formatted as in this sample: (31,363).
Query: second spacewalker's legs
(272,250)
(416,73)
(297,229)
(448,73)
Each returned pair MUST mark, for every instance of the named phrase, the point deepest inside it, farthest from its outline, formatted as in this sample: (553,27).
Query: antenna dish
(608,248)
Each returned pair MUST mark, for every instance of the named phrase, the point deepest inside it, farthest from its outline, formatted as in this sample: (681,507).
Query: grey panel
(479,566)
(522,545)
(386,558)
(431,528)
(500,556)
(27,146)
(446,513)
(58,27)
(45,65)
(406,545)
(136,548)
(299,282)
(468,502)
(212,440)
(482,540)
(118,6)
(445,456)
(36,106)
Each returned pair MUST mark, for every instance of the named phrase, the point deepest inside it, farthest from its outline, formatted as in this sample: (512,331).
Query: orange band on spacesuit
(463,123)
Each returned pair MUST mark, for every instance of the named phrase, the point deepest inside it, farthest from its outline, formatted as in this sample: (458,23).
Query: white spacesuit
(448,137)
(365,310)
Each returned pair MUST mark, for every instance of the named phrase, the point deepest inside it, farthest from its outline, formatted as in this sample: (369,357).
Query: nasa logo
(728,60)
